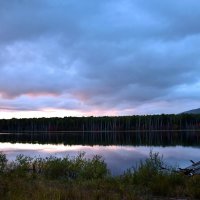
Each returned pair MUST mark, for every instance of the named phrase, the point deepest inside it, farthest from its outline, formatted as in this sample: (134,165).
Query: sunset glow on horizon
(98,58)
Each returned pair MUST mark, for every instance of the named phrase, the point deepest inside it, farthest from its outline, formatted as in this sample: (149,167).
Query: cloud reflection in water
(118,158)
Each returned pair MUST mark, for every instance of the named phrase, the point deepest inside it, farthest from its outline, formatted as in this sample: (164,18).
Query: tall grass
(81,178)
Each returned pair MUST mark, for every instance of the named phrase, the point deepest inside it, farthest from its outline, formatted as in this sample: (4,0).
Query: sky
(95,58)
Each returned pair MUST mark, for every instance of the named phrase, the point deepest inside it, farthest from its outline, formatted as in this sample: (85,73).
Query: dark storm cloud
(98,54)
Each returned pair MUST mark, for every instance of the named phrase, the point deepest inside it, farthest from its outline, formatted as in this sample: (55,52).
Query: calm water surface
(119,151)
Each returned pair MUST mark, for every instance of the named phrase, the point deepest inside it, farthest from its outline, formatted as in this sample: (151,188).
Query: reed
(81,178)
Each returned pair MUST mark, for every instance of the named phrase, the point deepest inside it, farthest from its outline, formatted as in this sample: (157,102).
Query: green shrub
(75,168)
(23,164)
(95,168)
(92,178)
(3,162)
(55,168)
(148,169)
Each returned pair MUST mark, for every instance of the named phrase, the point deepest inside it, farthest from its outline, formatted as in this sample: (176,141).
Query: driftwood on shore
(191,170)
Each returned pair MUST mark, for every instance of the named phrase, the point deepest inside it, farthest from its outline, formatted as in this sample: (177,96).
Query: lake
(120,150)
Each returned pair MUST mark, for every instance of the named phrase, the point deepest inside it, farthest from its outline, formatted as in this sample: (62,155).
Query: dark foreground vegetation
(81,178)
(146,122)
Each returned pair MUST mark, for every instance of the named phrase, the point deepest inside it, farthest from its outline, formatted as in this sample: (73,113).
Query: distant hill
(194,111)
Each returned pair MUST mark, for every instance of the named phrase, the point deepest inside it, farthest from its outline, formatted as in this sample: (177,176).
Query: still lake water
(120,150)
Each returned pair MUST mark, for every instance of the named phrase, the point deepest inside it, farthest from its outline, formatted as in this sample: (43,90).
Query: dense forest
(120,123)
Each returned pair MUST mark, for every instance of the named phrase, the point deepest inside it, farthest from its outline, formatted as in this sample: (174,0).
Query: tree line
(115,123)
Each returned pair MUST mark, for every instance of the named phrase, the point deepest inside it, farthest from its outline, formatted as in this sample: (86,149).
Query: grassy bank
(81,178)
